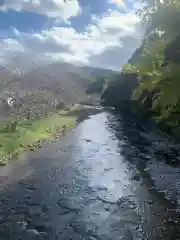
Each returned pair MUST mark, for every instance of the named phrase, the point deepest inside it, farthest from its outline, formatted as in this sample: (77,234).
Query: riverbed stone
(22,225)
(31,233)
(150,201)
(136,177)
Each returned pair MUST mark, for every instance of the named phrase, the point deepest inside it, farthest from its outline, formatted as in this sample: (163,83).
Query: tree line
(155,65)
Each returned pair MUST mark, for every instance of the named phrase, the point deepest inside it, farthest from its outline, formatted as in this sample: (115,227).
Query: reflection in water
(111,176)
(101,181)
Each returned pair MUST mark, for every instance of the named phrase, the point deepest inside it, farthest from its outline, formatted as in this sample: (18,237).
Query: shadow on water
(143,145)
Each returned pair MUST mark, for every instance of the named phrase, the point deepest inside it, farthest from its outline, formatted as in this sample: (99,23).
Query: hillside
(99,72)
(45,84)
(120,87)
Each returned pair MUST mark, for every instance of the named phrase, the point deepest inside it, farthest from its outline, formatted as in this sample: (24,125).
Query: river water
(107,179)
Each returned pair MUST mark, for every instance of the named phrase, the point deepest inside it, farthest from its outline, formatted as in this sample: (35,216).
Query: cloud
(114,57)
(118,24)
(119,3)
(9,48)
(108,42)
(44,42)
(121,33)
(15,31)
(58,9)
(10,45)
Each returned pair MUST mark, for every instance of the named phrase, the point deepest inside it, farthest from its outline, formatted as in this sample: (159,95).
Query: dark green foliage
(119,89)
(96,86)
(155,66)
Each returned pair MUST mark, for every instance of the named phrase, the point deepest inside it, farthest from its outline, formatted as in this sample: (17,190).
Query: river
(107,179)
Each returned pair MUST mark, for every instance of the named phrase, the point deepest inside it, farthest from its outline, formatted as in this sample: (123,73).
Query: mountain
(57,81)
(66,81)
(99,72)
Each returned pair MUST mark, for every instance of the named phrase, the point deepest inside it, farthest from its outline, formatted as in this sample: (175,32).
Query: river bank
(31,135)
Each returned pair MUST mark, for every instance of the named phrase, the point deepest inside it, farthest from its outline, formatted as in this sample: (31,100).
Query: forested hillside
(155,67)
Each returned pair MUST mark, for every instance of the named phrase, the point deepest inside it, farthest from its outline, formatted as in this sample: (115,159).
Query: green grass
(29,133)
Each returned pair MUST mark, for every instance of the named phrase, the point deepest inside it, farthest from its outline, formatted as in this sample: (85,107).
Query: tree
(157,69)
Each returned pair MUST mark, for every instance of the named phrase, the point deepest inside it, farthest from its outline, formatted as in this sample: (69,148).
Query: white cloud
(108,41)
(119,3)
(118,24)
(58,9)
(15,31)
(11,45)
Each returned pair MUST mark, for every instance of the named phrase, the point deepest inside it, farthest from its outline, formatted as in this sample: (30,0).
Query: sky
(102,33)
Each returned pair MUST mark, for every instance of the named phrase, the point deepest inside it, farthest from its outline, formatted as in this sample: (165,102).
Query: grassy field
(29,134)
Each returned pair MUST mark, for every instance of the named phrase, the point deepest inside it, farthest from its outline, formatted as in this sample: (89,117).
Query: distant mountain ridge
(61,81)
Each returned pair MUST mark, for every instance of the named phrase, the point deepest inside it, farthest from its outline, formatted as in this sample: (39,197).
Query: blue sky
(94,32)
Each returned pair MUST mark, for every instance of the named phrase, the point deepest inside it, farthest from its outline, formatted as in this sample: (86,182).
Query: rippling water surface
(107,179)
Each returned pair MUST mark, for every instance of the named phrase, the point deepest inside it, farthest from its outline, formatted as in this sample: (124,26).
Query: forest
(150,79)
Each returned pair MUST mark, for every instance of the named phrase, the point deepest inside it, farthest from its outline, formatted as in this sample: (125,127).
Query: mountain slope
(57,81)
